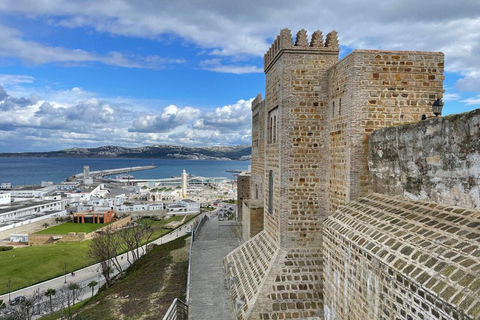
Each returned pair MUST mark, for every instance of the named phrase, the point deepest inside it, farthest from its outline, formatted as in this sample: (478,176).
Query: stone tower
(314,126)
(288,282)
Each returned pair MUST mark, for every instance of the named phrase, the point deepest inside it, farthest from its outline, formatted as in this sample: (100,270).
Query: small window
(340,107)
(272,131)
(270,191)
(333,109)
(256,191)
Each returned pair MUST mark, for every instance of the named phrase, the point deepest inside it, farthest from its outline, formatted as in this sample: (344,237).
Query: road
(86,275)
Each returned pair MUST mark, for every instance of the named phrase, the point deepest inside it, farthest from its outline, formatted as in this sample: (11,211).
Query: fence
(178,309)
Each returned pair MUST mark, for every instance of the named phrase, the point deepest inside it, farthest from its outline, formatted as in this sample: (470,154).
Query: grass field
(147,290)
(67,227)
(31,265)
(27,266)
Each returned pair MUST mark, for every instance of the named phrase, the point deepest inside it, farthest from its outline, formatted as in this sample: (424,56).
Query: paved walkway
(208,291)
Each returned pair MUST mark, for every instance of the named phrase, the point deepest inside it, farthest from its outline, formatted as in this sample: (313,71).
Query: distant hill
(240,152)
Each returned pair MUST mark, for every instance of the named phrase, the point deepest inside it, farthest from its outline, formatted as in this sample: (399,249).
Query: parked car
(17,300)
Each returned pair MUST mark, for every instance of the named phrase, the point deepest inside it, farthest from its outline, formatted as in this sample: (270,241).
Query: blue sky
(89,73)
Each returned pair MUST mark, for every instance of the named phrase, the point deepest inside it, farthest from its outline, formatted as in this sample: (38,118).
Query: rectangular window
(270,191)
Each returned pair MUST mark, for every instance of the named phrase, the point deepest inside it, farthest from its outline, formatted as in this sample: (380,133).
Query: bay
(21,171)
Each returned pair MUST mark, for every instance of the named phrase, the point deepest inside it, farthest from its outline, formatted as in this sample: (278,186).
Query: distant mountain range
(240,152)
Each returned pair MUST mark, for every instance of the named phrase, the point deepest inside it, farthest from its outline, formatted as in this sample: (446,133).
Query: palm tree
(50,293)
(92,285)
(73,287)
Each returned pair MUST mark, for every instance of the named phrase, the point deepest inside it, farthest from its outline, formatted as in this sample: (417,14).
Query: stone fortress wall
(435,160)
(316,120)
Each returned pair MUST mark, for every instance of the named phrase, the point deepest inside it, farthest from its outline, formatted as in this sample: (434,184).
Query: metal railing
(178,309)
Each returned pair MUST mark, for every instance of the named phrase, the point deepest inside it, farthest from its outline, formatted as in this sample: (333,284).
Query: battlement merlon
(284,41)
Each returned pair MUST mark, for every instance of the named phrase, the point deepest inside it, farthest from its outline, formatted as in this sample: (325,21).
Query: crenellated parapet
(284,41)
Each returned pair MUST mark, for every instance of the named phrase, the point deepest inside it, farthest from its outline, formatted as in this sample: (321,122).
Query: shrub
(5,248)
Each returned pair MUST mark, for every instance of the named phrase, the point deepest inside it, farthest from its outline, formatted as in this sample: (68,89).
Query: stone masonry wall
(388,258)
(243,192)
(435,160)
(252,220)
(258,149)
(369,90)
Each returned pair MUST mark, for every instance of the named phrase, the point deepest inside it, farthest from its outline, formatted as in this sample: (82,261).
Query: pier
(108,172)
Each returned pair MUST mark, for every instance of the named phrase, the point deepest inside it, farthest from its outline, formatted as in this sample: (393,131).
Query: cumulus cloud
(37,124)
(228,118)
(170,118)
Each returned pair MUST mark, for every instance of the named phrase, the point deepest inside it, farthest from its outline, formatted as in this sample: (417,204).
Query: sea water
(22,171)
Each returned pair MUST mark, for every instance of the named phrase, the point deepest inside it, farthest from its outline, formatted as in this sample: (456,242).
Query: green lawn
(67,227)
(27,266)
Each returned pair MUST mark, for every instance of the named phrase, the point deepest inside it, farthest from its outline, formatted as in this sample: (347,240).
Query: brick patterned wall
(393,258)
(252,221)
(243,192)
(258,149)
(377,89)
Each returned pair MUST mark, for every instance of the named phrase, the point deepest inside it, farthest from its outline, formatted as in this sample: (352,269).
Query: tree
(92,285)
(45,225)
(104,249)
(75,288)
(50,293)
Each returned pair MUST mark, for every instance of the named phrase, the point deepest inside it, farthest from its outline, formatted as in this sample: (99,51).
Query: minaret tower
(184,184)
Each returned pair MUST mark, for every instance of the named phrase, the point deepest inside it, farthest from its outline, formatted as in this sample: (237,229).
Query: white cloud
(246,28)
(12,45)
(451,97)
(171,117)
(229,118)
(7,80)
(216,65)
(474,101)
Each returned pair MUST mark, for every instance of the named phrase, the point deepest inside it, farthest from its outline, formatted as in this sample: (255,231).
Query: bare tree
(135,239)
(104,248)
(27,308)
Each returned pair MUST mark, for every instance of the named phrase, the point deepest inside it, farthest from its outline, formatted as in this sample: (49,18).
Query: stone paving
(209,295)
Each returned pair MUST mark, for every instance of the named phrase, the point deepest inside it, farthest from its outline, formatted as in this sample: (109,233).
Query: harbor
(109,172)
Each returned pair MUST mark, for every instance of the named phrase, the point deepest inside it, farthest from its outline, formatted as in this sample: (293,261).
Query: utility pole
(65,271)
(9,284)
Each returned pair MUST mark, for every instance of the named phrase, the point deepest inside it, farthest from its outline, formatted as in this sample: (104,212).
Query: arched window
(256,191)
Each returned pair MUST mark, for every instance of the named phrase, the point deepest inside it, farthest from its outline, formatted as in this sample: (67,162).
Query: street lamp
(437,107)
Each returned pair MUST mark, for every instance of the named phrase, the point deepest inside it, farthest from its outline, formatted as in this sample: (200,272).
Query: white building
(184,206)
(31,192)
(5,198)
(22,210)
